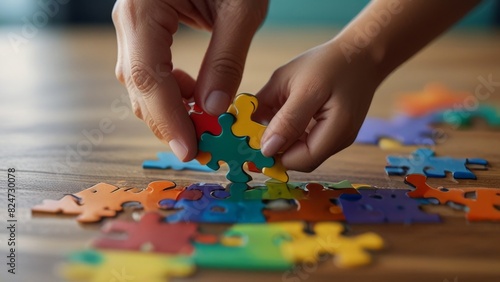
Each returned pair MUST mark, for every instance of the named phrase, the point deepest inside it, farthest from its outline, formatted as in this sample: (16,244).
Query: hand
(316,104)
(157,91)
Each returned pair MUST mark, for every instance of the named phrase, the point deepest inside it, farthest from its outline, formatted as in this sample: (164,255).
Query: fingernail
(178,148)
(273,145)
(217,102)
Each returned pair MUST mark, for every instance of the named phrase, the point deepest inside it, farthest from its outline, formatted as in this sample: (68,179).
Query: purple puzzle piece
(210,192)
(383,206)
(407,130)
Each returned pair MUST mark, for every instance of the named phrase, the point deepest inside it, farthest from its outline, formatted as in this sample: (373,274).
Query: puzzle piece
(93,266)
(275,190)
(434,97)
(207,192)
(406,130)
(105,200)
(277,246)
(481,204)
(167,160)
(423,161)
(204,122)
(218,211)
(315,206)
(394,145)
(328,239)
(245,246)
(149,234)
(383,206)
(464,117)
(243,107)
(233,150)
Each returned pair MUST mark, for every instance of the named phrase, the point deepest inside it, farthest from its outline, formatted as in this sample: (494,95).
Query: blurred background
(282,12)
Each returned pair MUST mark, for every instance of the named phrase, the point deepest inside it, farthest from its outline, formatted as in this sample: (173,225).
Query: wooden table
(62,83)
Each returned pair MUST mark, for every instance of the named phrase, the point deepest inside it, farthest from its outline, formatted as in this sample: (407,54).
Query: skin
(331,85)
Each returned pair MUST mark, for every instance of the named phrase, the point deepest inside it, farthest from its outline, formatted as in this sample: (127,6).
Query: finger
(222,68)
(291,121)
(186,83)
(327,137)
(151,76)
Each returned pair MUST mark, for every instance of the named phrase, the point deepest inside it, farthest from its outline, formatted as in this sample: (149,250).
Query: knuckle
(229,66)
(120,73)
(115,13)
(141,77)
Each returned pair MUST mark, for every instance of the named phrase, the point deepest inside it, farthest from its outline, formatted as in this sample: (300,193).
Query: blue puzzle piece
(218,211)
(407,130)
(383,206)
(168,160)
(210,192)
(423,161)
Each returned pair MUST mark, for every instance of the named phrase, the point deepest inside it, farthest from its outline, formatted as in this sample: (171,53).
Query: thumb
(222,68)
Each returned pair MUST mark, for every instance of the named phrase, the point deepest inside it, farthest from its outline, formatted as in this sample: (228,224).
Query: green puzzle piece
(246,246)
(275,190)
(233,150)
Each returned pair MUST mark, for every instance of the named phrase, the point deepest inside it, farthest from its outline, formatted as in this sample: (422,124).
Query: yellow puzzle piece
(94,266)
(328,239)
(243,107)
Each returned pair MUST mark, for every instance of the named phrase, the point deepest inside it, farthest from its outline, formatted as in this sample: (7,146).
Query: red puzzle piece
(203,122)
(481,203)
(152,234)
(315,206)
(104,200)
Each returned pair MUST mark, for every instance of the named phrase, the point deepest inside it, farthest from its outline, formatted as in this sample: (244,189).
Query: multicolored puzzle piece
(167,160)
(105,200)
(481,204)
(95,266)
(383,206)
(423,161)
(233,150)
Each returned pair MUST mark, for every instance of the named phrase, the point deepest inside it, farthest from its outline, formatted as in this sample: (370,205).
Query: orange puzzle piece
(104,200)
(315,206)
(482,204)
(434,97)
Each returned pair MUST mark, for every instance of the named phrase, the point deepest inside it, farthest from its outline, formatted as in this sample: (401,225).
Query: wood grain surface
(61,84)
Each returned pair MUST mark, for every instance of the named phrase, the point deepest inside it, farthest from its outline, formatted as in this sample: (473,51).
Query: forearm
(395,30)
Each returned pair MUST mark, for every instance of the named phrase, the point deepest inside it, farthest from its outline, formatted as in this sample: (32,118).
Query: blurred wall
(282,13)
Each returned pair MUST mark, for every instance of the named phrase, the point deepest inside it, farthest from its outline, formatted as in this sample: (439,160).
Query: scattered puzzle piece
(481,204)
(167,160)
(105,200)
(218,211)
(383,206)
(245,246)
(315,206)
(406,130)
(434,97)
(394,145)
(233,150)
(93,266)
(275,190)
(464,117)
(149,234)
(328,239)
(423,161)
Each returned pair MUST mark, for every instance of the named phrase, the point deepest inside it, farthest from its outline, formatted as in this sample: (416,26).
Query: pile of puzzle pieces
(418,111)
